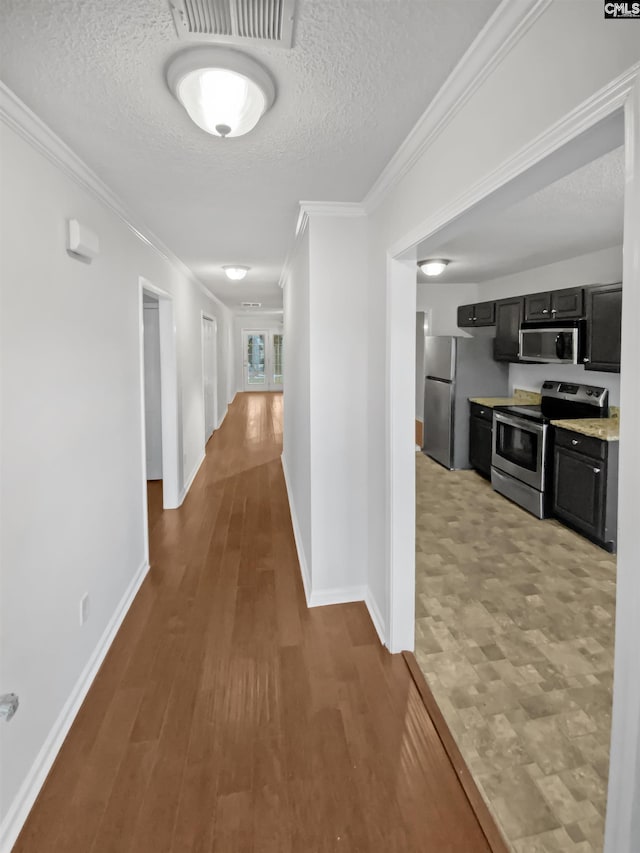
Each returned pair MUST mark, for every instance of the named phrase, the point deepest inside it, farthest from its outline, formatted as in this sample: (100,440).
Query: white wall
(71,457)
(296,453)
(602,267)
(443,300)
(325,407)
(260,322)
(423,324)
(152,392)
(338,378)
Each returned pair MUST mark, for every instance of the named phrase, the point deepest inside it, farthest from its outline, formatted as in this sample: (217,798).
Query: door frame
(169,399)
(216,419)
(622,94)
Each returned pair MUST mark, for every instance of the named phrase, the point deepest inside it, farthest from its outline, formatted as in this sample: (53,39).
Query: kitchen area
(516,511)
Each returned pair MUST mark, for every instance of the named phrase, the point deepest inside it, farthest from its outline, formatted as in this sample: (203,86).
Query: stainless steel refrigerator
(457,368)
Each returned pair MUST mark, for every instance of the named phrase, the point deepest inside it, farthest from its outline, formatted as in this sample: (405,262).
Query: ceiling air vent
(251,304)
(235,21)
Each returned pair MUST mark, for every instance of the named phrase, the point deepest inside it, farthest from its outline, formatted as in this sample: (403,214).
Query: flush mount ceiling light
(433,266)
(224,92)
(235,272)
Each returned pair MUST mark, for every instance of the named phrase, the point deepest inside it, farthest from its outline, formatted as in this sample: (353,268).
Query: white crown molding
(500,34)
(587,114)
(318,208)
(326,208)
(17,115)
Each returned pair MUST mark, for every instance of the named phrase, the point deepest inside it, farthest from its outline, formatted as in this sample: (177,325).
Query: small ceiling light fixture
(225,92)
(235,272)
(433,266)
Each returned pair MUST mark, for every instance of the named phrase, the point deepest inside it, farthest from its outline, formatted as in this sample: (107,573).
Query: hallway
(229,717)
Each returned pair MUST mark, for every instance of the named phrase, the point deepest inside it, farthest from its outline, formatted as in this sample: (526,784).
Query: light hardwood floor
(229,717)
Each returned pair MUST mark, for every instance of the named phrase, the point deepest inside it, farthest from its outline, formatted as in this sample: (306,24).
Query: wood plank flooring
(227,717)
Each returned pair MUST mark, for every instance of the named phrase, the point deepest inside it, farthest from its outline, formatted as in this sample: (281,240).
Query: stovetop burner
(562,400)
(531,413)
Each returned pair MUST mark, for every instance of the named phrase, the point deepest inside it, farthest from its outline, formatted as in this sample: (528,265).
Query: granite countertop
(606,429)
(520,398)
(492,402)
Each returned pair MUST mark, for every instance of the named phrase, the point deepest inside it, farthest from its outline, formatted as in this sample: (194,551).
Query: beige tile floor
(514,634)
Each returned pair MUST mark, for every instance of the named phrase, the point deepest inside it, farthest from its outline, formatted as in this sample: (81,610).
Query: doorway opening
(152,405)
(263,360)
(533,599)
(210,375)
(548,155)
(159,404)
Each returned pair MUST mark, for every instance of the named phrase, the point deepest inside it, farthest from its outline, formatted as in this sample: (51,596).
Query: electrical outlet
(84,608)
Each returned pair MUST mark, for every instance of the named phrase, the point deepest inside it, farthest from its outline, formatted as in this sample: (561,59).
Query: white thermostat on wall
(82,242)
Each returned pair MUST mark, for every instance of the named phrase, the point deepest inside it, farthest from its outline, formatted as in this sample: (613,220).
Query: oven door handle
(519,423)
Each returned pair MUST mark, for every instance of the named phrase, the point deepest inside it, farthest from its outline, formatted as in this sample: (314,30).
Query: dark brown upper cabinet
(481,314)
(604,320)
(508,318)
(555,305)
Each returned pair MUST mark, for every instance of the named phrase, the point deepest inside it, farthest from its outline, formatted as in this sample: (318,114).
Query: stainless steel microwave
(559,344)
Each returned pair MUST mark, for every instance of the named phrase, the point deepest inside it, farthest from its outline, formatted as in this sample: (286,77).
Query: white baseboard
(304,570)
(337,595)
(376,618)
(30,788)
(224,415)
(192,476)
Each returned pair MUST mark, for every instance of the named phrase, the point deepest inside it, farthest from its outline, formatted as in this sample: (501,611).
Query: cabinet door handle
(574,441)
(545,310)
(586,360)
(596,470)
(554,310)
(482,411)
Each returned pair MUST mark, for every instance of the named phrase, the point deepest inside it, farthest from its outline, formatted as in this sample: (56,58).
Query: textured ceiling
(580,213)
(360,74)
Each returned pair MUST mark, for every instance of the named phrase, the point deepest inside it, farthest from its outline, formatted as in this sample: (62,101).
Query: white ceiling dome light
(433,266)
(225,92)
(235,272)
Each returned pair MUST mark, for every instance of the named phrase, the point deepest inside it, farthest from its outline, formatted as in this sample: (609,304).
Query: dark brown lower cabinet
(585,486)
(480,438)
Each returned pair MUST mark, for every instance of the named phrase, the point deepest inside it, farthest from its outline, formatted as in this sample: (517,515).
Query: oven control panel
(592,395)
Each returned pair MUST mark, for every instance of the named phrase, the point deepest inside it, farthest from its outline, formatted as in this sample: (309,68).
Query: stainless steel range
(521,458)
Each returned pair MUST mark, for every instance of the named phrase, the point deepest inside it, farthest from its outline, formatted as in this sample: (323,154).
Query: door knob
(596,470)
